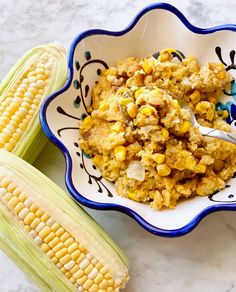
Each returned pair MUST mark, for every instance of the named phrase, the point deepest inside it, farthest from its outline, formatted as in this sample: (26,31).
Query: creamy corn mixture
(141,139)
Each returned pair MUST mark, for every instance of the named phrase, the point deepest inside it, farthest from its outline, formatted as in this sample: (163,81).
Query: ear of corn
(50,238)
(36,75)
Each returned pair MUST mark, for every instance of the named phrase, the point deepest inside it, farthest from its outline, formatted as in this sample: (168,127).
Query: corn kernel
(65,259)
(97,160)
(35,223)
(13,202)
(45,232)
(61,253)
(103,105)
(164,56)
(81,280)
(103,284)
(45,217)
(55,227)
(165,133)
(200,168)
(45,247)
(147,110)
(120,153)
(75,255)
(190,163)
(147,66)
(158,158)
(125,101)
(133,196)
(138,92)
(34,208)
(18,208)
(87,123)
(202,107)
(94,288)
(60,231)
(184,127)
(29,218)
(132,109)
(225,114)
(58,247)
(88,284)
(210,114)
(68,275)
(166,73)
(175,104)
(117,127)
(68,242)
(212,99)
(195,97)
(54,242)
(50,253)
(78,274)
(49,238)
(163,170)
(89,269)
(98,278)
(221,75)
(65,236)
(74,269)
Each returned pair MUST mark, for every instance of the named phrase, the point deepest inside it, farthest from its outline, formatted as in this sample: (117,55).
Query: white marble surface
(200,261)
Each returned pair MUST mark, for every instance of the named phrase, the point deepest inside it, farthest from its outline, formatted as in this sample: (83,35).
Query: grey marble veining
(200,261)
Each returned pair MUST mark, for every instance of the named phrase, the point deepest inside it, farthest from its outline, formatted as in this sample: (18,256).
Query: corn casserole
(142,140)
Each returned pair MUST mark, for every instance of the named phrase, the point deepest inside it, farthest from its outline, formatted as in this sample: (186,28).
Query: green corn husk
(15,239)
(32,140)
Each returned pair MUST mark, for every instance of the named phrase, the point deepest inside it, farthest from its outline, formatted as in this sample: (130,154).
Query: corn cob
(50,237)
(36,75)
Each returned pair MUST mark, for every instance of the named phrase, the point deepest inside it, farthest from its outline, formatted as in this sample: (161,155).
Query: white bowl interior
(156,30)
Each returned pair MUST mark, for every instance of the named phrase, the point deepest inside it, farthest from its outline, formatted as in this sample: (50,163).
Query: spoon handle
(217,134)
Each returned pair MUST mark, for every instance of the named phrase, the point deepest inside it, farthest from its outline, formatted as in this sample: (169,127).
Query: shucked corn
(36,75)
(54,241)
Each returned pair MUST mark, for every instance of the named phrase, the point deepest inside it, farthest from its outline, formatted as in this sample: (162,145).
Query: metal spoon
(205,131)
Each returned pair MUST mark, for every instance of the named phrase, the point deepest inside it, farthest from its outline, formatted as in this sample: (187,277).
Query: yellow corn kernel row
(20,104)
(67,254)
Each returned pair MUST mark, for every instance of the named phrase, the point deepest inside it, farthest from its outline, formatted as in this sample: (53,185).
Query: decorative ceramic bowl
(156,27)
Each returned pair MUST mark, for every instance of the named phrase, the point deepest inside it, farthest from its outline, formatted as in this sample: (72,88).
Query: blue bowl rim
(68,179)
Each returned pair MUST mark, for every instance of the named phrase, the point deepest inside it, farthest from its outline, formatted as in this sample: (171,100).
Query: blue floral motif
(231,109)
(80,102)
(83,89)
(229,105)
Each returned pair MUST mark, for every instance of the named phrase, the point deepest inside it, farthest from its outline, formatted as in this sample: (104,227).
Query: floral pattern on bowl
(156,27)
